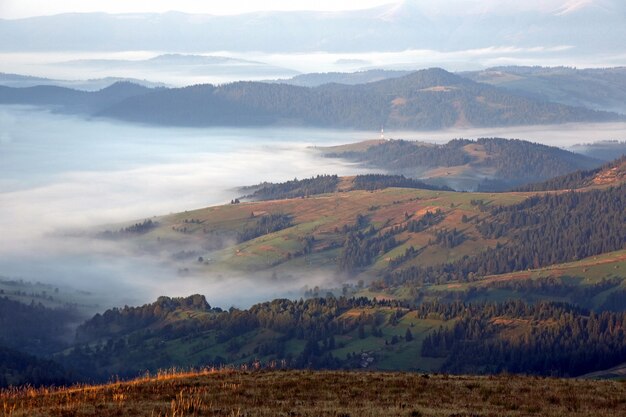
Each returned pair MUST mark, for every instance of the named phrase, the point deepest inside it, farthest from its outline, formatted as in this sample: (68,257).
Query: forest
(322,184)
(545,338)
(509,162)
(426,99)
(542,230)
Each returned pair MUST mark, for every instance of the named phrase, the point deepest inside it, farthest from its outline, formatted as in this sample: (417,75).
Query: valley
(313,208)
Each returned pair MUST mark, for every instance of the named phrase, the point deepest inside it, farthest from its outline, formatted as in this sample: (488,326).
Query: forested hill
(594,88)
(427,99)
(612,173)
(488,164)
(323,184)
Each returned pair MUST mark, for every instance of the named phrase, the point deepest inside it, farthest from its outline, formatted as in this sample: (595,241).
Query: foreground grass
(335,393)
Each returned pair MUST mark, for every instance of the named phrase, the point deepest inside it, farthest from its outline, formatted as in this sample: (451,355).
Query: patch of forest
(322,184)
(545,338)
(34,328)
(576,180)
(510,161)
(540,231)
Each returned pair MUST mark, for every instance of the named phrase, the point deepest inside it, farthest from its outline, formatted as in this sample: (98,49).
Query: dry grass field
(274,393)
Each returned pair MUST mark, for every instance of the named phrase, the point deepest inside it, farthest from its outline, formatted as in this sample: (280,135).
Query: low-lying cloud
(62,175)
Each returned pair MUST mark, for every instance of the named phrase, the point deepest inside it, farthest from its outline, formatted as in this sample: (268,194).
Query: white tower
(382,133)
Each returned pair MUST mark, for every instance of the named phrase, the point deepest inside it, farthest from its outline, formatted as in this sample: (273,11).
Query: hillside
(609,174)
(324,184)
(594,88)
(314,394)
(424,280)
(487,164)
(71,100)
(371,234)
(427,99)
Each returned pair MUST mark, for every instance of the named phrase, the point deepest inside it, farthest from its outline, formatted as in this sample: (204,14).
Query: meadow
(267,393)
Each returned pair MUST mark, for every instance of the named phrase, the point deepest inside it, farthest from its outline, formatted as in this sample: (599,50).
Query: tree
(408,335)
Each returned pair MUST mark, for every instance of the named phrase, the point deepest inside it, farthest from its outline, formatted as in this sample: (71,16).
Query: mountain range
(426,99)
(596,88)
(565,25)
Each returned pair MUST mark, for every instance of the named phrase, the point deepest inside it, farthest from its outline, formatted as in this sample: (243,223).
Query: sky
(14,9)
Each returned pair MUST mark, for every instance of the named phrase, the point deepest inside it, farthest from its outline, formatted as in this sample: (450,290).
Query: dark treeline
(34,328)
(541,231)
(578,179)
(135,229)
(265,224)
(544,339)
(372,182)
(322,184)
(402,154)
(30,334)
(296,188)
(18,368)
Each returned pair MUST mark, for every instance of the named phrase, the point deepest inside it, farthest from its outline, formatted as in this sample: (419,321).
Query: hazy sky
(12,9)
(23,8)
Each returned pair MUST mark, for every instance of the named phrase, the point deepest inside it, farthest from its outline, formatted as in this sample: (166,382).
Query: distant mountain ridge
(23,81)
(426,99)
(394,27)
(595,88)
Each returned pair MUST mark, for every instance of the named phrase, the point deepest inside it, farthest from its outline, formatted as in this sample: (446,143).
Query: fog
(60,175)
(63,175)
(267,66)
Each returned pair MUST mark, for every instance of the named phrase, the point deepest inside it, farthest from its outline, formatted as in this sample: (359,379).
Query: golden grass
(268,393)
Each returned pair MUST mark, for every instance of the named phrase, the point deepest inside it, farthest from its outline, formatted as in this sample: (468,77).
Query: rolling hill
(488,164)
(395,228)
(425,280)
(594,88)
(427,99)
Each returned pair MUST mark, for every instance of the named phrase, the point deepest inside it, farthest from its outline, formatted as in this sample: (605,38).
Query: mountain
(181,64)
(455,26)
(605,150)
(22,81)
(488,164)
(599,89)
(427,99)
(70,100)
(349,78)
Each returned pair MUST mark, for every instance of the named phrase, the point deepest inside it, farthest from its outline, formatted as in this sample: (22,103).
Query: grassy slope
(584,273)
(197,349)
(306,393)
(319,216)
